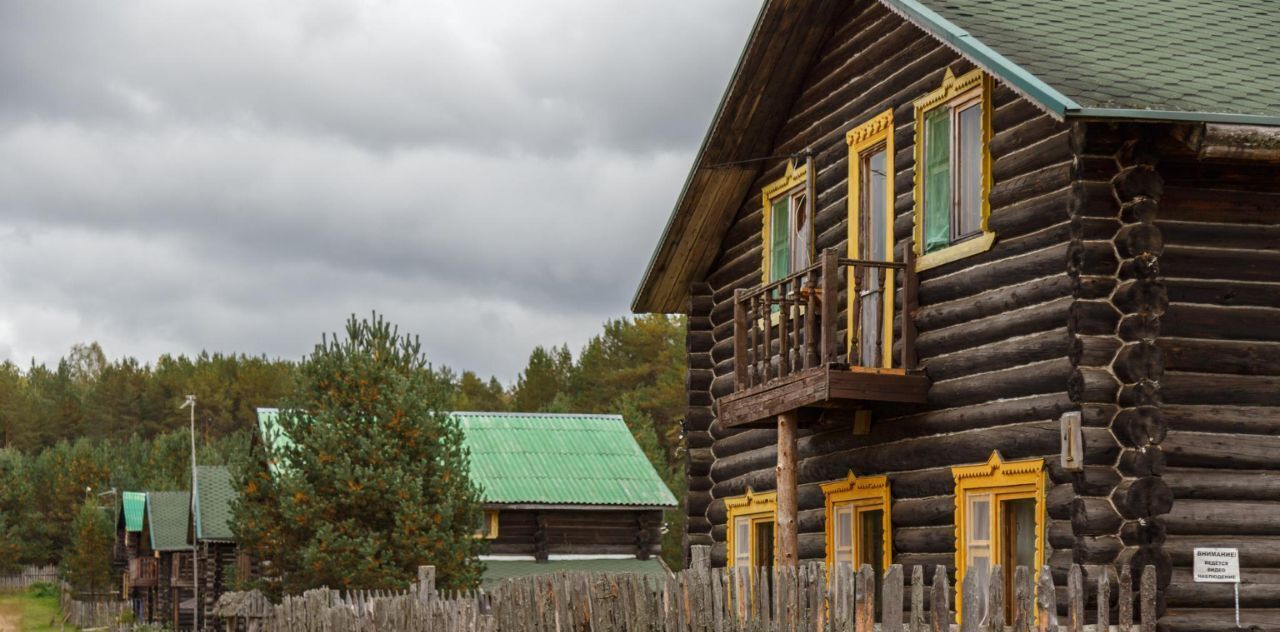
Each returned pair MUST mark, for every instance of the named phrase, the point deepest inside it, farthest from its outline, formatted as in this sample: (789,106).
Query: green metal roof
(167,514)
(496,571)
(271,434)
(1195,60)
(525,458)
(541,458)
(132,506)
(212,508)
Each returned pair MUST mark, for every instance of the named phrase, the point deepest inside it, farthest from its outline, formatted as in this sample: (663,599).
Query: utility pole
(195,540)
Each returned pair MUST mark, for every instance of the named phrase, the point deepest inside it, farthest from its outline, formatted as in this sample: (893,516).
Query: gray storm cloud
(239,176)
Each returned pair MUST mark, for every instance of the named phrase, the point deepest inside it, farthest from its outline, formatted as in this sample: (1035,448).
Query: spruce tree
(87,565)
(375,480)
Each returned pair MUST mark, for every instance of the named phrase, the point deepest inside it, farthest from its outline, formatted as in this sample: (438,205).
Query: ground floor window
(857,519)
(751,529)
(999,519)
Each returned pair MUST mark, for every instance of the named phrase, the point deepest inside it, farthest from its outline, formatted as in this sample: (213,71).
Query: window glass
(871,539)
(979,517)
(871,237)
(779,236)
(937,179)
(764,542)
(969,175)
(800,240)
(1020,520)
(742,542)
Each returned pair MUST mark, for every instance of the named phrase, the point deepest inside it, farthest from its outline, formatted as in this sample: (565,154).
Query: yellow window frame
(795,178)
(867,493)
(954,89)
(489,528)
(757,508)
(869,135)
(1003,480)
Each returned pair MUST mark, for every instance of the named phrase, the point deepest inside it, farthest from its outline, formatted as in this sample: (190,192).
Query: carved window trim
(755,506)
(861,139)
(1003,480)
(972,85)
(867,493)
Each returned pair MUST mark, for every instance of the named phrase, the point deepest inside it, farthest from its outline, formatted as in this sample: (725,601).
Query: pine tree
(376,482)
(87,565)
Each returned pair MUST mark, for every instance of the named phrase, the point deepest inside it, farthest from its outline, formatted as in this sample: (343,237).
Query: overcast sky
(240,176)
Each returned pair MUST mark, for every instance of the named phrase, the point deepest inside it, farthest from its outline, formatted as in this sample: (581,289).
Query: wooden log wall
(698,415)
(1117,369)
(1220,347)
(993,327)
(546,532)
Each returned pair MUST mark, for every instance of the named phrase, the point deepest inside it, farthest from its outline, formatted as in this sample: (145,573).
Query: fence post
(917,599)
(1125,606)
(1104,597)
(994,621)
(426,583)
(1148,597)
(700,556)
(970,603)
(865,615)
(939,605)
(1022,599)
(891,600)
(1075,599)
(1046,602)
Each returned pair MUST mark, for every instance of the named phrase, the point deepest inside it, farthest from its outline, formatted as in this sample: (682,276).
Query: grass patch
(31,611)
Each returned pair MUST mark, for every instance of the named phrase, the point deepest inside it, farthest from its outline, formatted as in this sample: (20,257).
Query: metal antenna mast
(195,545)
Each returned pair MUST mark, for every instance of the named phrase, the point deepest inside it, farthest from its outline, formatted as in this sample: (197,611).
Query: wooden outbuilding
(164,545)
(560,492)
(209,531)
(979,283)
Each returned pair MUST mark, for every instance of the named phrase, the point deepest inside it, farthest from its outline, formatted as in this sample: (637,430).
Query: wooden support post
(787,533)
(830,294)
(908,309)
(740,327)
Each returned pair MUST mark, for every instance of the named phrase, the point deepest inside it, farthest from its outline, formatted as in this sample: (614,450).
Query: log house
(989,282)
(560,492)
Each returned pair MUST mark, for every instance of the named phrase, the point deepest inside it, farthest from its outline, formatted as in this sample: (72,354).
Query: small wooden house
(129,512)
(560,492)
(164,542)
(209,530)
(975,283)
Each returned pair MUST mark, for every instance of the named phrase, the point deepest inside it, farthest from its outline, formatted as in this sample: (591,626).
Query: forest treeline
(72,432)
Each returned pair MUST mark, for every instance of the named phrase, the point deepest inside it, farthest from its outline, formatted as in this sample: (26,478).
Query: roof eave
(641,302)
(1226,118)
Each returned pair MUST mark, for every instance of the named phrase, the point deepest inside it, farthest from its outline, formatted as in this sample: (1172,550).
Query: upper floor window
(750,535)
(788,233)
(999,520)
(871,238)
(953,170)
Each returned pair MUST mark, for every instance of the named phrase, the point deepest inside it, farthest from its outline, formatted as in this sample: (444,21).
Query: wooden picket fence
(795,599)
(92,613)
(28,576)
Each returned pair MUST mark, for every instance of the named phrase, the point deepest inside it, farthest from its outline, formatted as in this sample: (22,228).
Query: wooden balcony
(182,572)
(143,572)
(789,354)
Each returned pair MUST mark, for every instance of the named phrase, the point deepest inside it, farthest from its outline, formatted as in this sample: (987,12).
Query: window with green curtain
(779,246)
(937,179)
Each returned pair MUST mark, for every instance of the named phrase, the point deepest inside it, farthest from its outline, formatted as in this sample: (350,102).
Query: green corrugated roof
(214,493)
(271,434)
(167,514)
(132,506)
(542,458)
(1211,60)
(560,459)
(496,571)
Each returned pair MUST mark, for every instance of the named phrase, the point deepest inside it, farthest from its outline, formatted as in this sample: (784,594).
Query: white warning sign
(1217,566)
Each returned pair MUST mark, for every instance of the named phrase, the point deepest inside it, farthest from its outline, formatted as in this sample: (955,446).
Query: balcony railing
(790,325)
(143,571)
